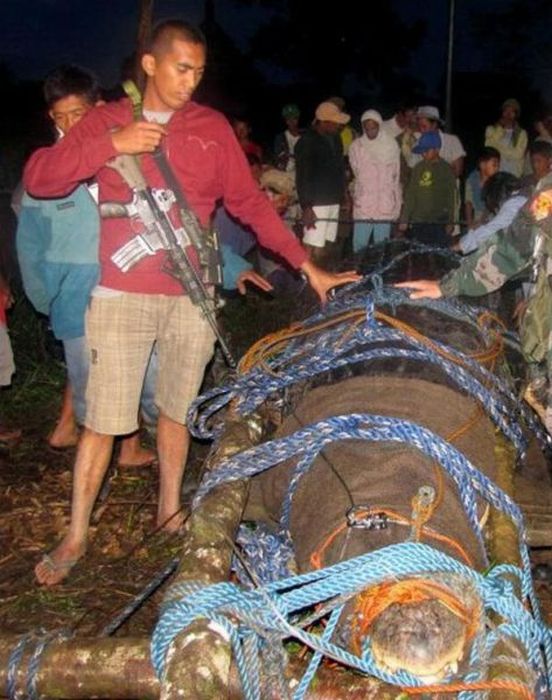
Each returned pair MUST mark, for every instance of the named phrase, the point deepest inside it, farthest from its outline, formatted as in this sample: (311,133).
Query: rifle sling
(170,178)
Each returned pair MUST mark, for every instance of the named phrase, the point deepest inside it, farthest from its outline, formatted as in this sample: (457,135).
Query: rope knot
(371,320)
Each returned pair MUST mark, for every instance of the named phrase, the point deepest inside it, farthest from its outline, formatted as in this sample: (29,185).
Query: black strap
(204,241)
(170,178)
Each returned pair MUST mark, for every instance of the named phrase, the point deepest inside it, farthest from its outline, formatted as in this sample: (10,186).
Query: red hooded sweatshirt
(206,159)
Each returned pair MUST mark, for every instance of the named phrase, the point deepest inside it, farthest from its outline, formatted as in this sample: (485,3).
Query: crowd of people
(399,176)
(136,346)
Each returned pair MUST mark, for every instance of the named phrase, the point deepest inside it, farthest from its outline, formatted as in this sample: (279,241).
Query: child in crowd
(488,163)
(540,157)
(242,129)
(429,198)
(280,189)
(503,199)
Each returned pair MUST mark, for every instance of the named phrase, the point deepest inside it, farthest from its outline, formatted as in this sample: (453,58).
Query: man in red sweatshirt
(131,310)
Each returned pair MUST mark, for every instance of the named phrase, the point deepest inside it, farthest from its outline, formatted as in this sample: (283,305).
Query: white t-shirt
(157,117)
(451,148)
(291,142)
(392,128)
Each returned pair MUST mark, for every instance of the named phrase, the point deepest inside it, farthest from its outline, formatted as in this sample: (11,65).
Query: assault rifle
(151,207)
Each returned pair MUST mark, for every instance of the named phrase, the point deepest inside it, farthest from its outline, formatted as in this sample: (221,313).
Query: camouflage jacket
(503,255)
(525,245)
(509,251)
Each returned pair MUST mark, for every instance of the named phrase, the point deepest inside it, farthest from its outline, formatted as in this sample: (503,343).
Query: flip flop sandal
(8,435)
(148,463)
(54,568)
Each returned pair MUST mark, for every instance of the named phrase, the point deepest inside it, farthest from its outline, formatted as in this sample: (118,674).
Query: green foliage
(40,375)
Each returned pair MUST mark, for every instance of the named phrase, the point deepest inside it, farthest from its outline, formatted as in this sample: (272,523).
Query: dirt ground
(125,551)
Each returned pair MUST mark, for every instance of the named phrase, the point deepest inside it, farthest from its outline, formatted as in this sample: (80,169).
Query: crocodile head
(427,637)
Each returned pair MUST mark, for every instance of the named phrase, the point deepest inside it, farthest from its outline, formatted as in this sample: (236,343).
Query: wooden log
(86,668)
(198,661)
(120,669)
(533,492)
(538,520)
(504,549)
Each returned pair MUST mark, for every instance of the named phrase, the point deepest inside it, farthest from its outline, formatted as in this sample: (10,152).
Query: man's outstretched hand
(254,278)
(422,289)
(322,281)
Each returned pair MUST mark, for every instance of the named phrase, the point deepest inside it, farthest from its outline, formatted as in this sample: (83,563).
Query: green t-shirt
(430,194)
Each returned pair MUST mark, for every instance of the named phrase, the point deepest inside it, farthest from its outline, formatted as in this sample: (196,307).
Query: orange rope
(421,514)
(372,602)
(317,557)
(497,684)
(483,357)
(273,343)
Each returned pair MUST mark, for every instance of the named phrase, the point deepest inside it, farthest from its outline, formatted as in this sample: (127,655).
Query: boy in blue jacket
(57,247)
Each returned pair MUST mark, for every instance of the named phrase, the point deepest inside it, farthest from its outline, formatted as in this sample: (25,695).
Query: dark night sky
(37,35)
(95,33)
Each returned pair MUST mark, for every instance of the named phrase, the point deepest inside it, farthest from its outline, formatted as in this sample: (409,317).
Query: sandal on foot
(8,435)
(56,568)
(140,465)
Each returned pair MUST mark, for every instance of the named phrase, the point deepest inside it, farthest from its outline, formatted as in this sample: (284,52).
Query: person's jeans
(430,234)
(364,229)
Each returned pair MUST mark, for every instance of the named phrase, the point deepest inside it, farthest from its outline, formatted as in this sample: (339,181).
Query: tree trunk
(120,669)
(86,668)
(144,30)
(198,661)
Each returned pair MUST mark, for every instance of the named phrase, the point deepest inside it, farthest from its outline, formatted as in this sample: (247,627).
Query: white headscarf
(384,147)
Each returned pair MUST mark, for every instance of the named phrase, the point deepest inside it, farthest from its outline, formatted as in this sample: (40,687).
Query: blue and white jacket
(57,247)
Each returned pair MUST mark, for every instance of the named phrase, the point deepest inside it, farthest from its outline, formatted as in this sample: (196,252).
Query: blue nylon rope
(270,611)
(305,358)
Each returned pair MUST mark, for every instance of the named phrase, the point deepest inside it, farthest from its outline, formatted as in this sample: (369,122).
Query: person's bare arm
(469,213)
(422,289)
(458,166)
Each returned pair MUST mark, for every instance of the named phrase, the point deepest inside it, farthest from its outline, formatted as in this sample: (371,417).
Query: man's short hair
(70,80)
(498,188)
(541,148)
(164,33)
(407,106)
(487,153)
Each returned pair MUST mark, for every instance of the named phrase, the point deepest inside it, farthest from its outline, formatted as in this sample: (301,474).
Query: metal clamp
(363,518)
